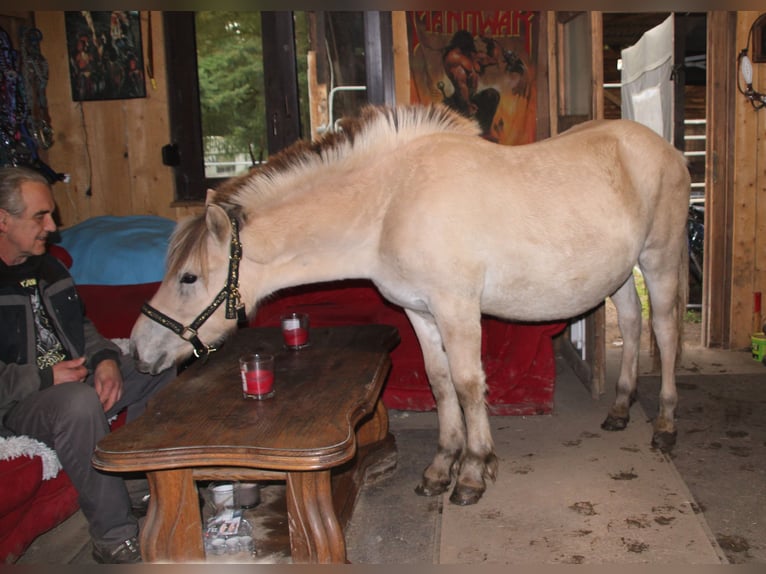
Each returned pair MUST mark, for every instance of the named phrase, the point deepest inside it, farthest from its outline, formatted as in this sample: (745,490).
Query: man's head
(26,214)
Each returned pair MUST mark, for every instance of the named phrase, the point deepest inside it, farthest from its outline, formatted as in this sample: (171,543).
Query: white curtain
(647,89)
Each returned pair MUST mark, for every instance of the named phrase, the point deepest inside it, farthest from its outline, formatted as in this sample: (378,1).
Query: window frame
(185,153)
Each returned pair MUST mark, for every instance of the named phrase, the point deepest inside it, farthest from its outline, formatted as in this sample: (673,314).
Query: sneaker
(127,552)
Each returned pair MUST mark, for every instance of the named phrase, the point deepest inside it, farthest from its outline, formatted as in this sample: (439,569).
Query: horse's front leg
(629,317)
(437,476)
(460,329)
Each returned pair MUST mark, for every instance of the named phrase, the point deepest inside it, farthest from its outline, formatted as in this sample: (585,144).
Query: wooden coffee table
(319,433)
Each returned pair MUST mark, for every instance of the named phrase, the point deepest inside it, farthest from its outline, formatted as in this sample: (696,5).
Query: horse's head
(196,305)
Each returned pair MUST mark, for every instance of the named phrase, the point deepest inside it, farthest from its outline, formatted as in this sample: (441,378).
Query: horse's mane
(376,127)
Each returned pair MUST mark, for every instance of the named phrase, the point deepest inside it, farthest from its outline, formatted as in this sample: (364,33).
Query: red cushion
(30,505)
(61,254)
(54,501)
(20,477)
(115,308)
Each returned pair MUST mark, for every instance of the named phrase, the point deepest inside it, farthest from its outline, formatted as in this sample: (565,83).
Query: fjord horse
(447,226)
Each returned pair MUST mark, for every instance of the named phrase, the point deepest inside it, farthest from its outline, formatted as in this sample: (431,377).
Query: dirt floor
(721,449)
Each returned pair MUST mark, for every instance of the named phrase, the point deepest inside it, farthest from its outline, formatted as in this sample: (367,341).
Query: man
(464,64)
(60,380)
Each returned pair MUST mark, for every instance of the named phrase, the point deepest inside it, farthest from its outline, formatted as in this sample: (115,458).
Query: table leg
(172,532)
(315,533)
(375,428)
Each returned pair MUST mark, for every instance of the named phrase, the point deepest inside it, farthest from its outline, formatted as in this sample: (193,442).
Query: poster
(105,55)
(481,63)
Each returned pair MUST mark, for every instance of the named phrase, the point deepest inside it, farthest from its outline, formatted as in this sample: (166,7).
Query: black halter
(230,293)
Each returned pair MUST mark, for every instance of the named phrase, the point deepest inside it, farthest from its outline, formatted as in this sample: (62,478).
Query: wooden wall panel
(111,149)
(749,206)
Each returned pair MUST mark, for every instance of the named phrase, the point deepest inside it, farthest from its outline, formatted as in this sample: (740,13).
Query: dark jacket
(19,374)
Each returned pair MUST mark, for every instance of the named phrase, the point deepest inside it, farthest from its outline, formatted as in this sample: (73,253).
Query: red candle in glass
(296,337)
(259,382)
(295,330)
(257,371)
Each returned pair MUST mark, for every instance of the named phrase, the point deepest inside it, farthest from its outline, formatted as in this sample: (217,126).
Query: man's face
(26,234)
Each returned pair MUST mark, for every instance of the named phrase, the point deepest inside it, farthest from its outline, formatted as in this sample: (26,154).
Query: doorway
(620,31)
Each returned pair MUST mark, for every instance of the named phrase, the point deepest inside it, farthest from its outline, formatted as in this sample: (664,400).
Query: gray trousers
(70,419)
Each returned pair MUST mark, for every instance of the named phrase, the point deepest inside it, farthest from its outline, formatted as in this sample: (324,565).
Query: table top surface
(202,419)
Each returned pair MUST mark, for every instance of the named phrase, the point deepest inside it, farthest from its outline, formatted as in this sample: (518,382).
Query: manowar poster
(480,63)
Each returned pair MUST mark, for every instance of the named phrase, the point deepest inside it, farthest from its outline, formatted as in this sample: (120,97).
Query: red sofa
(30,505)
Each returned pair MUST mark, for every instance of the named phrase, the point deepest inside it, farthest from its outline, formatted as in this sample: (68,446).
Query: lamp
(747,71)
(757,99)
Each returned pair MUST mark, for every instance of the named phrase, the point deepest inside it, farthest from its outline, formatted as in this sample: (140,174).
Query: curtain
(647,88)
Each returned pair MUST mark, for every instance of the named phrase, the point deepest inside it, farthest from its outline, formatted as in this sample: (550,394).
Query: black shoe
(127,552)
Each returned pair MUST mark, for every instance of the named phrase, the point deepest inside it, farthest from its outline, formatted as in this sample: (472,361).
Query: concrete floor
(570,493)
(567,492)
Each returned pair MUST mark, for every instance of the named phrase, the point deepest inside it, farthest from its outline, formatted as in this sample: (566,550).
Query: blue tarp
(112,250)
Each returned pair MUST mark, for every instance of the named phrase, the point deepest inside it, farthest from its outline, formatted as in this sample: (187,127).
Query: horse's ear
(210,196)
(218,222)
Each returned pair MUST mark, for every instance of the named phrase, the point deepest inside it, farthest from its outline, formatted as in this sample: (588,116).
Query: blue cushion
(111,250)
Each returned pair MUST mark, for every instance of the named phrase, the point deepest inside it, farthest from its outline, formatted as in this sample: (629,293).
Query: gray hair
(11,179)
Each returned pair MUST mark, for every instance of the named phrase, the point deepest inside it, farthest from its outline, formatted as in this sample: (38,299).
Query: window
(239,84)
(234,92)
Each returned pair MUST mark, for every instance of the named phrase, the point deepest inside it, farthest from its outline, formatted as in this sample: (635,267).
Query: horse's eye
(188,278)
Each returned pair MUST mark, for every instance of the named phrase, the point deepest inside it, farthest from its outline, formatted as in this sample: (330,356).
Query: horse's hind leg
(437,476)
(666,318)
(629,317)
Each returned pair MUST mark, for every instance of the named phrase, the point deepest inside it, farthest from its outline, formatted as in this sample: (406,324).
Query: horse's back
(652,162)
(563,218)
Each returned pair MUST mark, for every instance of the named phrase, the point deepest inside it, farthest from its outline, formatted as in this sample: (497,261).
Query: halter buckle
(188,334)
(204,352)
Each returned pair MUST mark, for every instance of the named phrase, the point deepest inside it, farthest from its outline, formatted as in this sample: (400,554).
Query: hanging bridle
(230,293)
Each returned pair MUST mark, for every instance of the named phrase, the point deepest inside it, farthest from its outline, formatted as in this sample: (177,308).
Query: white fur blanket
(16,446)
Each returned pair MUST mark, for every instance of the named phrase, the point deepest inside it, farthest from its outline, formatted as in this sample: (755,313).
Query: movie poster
(481,63)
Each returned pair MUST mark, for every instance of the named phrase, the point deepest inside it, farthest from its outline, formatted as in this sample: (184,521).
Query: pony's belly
(538,308)
(548,300)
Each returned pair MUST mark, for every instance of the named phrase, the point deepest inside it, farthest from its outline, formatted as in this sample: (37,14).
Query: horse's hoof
(613,423)
(465,495)
(431,488)
(664,441)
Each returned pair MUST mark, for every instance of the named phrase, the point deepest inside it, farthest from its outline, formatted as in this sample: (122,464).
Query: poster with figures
(480,63)
(105,55)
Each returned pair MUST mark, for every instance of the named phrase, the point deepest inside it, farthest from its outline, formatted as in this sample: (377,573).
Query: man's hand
(69,371)
(107,380)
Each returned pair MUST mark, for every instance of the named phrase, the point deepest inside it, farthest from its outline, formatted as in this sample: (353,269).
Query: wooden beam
(402,80)
(721,90)
(597,64)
